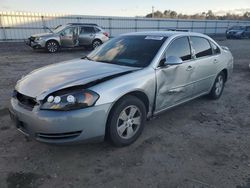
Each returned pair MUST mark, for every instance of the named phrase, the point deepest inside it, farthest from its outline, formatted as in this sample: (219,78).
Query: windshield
(59,28)
(237,28)
(135,51)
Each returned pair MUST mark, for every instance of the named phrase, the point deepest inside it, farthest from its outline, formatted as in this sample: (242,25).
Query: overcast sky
(122,7)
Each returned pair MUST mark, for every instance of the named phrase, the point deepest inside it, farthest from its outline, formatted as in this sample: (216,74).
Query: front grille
(58,136)
(26,101)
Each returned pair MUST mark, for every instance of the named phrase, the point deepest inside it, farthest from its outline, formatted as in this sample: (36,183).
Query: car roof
(87,24)
(165,33)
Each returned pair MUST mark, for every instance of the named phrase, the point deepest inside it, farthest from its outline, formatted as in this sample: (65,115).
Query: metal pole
(205,30)
(215,27)
(44,24)
(110,25)
(3,29)
(136,25)
(192,26)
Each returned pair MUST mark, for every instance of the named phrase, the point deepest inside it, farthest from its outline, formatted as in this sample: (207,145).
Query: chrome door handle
(189,68)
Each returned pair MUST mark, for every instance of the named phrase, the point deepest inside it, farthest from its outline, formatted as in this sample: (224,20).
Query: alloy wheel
(219,85)
(52,47)
(128,122)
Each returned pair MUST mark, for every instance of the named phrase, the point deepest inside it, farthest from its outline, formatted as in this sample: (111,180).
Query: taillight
(106,34)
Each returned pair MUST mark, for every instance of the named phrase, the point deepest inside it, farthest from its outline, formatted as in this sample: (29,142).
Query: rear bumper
(104,39)
(61,127)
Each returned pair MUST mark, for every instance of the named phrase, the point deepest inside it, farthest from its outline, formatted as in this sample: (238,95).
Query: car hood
(43,35)
(41,82)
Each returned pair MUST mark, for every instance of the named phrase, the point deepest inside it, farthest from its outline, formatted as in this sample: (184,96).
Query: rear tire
(126,121)
(218,86)
(52,46)
(96,44)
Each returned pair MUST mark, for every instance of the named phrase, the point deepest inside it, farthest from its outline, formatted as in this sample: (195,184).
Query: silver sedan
(112,92)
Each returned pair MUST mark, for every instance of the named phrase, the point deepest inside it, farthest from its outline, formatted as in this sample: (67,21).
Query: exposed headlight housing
(38,38)
(65,100)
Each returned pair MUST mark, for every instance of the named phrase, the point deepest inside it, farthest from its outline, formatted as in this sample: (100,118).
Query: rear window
(85,30)
(97,29)
(201,46)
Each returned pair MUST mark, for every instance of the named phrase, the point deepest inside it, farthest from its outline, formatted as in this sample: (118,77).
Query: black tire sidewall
(92,46)
(112,133)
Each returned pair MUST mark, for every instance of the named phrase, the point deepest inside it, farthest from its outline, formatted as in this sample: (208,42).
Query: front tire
(218,86)
(52,46)
(126,121)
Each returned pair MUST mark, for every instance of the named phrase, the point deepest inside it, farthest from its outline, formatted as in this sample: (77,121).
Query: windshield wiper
(86,57)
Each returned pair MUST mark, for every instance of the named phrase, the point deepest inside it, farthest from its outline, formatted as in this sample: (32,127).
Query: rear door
(87,35)
(205,64)
(175,82)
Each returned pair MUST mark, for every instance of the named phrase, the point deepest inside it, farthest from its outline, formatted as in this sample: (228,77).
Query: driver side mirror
(172,60)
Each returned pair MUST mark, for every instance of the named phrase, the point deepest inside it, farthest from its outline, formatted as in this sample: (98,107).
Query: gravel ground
(199,144)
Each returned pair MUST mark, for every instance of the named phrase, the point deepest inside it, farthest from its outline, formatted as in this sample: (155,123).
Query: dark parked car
(238,32)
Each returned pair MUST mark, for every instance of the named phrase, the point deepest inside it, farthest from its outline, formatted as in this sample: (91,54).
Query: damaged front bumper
(35,44)
(60,127)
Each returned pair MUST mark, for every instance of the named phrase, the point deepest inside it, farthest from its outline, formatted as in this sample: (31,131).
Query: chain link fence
(20,25)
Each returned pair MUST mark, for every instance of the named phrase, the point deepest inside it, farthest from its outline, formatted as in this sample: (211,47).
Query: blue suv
(238,32)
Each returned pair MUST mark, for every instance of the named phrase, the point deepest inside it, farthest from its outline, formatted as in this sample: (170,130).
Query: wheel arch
(97,39)
(49,40)
(138,94)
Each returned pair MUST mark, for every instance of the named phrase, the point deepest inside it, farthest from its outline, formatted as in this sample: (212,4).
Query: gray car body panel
(165,87)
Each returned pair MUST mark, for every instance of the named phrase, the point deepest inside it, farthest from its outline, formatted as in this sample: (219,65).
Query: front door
(69,37)
(175,83)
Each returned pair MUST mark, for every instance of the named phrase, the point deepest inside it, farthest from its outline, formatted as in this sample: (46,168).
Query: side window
(201,46)
(180,48)
(87,30)
(215,48)
(69,31)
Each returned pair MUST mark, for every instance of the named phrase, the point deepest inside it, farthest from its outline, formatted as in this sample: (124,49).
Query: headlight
(38,38)
(69,100)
